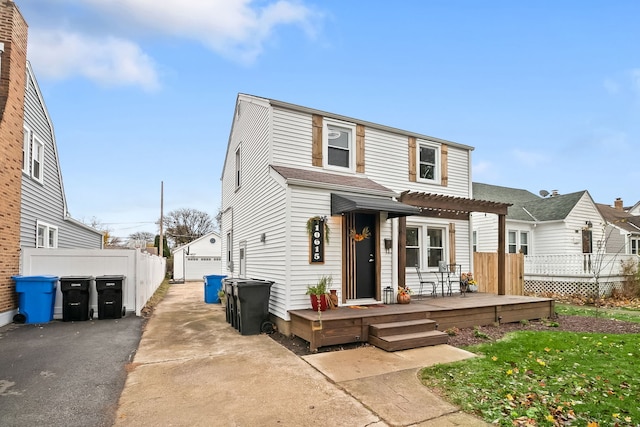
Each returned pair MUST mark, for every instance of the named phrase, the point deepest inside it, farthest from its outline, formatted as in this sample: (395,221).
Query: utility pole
(161,242)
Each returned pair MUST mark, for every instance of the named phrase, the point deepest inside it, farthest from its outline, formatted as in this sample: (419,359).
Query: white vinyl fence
(143,272)
(582,274)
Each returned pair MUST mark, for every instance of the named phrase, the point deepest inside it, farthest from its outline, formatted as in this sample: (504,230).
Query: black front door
(365,255)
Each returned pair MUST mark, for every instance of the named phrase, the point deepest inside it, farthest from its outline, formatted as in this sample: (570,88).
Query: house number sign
(317,241)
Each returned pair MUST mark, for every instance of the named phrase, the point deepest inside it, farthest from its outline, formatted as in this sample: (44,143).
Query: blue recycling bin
(212,284)
(36,298)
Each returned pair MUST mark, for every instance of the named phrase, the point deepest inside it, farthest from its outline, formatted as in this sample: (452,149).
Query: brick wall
(13,33)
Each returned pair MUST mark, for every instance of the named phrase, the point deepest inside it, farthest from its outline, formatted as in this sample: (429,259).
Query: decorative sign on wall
(317,238)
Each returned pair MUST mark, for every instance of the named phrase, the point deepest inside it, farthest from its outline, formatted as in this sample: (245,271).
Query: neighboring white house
(198,258)
(45,221)
(555,224)
(389,199)
(622,234)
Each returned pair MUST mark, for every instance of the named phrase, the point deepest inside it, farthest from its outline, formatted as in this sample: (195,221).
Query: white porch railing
(585,274)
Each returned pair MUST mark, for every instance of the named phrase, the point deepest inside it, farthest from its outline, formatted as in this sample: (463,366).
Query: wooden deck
(351,324)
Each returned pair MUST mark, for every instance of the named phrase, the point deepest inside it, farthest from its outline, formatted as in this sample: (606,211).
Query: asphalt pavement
(65,373)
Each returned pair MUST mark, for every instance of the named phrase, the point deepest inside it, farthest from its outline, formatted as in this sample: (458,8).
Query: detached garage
(199,258)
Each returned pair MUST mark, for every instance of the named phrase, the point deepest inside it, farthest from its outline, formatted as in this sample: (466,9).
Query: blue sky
(143,91)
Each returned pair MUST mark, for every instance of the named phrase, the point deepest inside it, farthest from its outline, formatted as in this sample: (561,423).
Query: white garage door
(197,267)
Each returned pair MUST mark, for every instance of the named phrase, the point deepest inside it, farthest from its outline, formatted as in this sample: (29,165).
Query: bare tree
(109,240)
(141,238)
(185,225)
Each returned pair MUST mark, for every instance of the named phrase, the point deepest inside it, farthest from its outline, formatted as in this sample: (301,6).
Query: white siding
(257,207)
(292,137)
(264,203)
(45,201)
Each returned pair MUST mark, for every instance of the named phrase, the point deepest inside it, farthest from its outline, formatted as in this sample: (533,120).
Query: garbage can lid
(76,278)
(110,277)
(42,278)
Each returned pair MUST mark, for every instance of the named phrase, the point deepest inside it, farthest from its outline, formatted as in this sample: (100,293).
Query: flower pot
(404,298)
(473,288)
(318,302)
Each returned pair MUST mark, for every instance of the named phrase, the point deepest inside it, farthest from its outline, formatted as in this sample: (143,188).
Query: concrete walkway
(193,369)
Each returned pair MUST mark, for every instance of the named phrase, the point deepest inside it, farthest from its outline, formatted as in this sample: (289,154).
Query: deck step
(404,327)
(411,340)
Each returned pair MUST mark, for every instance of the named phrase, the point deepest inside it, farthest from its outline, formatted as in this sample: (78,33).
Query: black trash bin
(109,290)
(76,297)
(252,300)
(231,314)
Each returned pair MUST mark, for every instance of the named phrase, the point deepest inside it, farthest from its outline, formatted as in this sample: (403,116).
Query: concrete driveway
(194,369)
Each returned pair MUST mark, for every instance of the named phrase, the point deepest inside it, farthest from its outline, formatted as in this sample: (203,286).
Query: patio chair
(454,275)
(422,283)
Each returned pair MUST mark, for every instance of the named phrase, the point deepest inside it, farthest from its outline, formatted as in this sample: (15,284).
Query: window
(475,241)
(238,167)
(46,236)
(413,247)
(428,159)
(634,245)
(518,241)
(513,246)
(229,252)
(26,150)
(242,252)
(339,143)
(37,158)
(430,238)
(524,242)
(435,248)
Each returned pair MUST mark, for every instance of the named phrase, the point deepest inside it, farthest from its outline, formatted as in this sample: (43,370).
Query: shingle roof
(527,206)
(334,180)
(620,219)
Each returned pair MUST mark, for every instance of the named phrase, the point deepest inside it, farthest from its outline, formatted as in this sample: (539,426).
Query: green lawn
(547,379)
(626,314)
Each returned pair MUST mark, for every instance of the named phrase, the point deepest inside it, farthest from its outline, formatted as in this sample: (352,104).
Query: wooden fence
(485,271)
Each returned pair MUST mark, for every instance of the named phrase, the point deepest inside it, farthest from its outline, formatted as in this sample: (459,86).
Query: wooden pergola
(449,207)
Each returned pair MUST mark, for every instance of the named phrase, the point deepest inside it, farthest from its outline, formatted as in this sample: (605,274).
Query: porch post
(402,252)
(502,265)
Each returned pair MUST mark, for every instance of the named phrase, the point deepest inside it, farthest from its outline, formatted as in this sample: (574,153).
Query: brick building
(13,60)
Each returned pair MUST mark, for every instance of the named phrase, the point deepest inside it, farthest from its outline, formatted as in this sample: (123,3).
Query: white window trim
(47,229)
(423,242)
(518,241)
(26,151)
(325,144)
(37,141)
(238,169)
(630,245)
(438,172)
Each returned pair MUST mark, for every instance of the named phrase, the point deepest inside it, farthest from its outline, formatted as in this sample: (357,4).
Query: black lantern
(387,295)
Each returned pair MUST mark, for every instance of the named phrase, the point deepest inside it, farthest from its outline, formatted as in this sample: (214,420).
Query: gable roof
(619,218)
(206,236)
(527,206)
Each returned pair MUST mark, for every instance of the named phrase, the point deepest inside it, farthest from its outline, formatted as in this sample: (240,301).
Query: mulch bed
(470,336)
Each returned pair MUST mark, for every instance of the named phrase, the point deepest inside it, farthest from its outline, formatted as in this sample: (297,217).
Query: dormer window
(339,144)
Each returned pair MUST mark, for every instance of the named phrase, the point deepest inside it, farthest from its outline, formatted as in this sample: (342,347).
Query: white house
(386,200)
(622,233)
(198,258)
(555,224)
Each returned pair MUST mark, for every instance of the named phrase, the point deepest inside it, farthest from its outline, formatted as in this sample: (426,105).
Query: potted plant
(318,293)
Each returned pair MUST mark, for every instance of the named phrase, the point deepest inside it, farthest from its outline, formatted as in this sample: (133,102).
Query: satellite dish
(544,193)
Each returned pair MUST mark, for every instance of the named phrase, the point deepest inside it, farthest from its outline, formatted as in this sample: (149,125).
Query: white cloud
(109,61)
(234,28)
